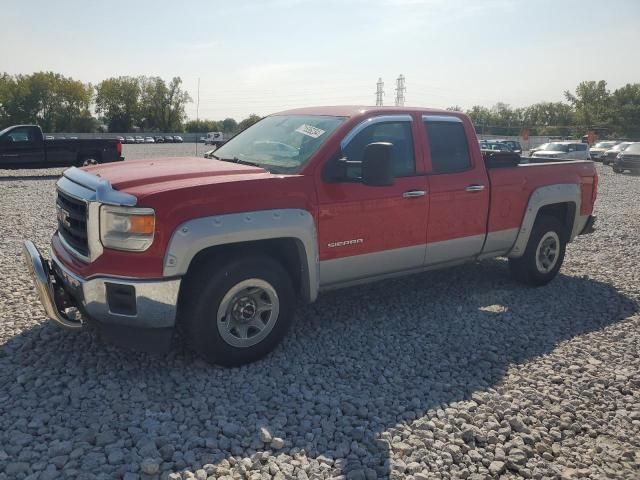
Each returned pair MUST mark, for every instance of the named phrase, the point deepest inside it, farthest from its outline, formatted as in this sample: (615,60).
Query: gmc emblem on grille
(63,217)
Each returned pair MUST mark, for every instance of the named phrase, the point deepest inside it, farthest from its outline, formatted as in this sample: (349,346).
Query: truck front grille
(72,222)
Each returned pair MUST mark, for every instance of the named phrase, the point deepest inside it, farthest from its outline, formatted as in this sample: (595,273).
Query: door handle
(475,188)
(414,194)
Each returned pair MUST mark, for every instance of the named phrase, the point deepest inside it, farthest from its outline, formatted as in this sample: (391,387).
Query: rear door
(364,231)
(458,191)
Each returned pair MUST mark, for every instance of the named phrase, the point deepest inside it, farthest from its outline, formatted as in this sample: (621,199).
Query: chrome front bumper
(154,302)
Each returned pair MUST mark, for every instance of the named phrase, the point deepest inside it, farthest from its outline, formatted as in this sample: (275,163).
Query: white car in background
(562,151)
(599,149)
(149,140)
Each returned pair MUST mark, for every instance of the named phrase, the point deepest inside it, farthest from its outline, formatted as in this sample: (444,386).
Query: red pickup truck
(301,202)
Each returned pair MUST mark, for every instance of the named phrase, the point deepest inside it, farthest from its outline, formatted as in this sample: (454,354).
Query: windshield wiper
(237,160)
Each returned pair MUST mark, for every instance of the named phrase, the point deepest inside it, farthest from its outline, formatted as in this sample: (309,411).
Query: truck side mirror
(376,165)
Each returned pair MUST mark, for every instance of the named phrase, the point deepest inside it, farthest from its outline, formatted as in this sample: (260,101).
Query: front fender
(198,234)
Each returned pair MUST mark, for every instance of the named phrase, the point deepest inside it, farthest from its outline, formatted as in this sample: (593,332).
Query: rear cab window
(448,144)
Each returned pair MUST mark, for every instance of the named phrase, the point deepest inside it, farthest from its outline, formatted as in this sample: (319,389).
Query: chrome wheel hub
(547,252)
(247,313)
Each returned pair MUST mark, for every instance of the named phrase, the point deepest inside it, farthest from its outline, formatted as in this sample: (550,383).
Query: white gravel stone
(449,374)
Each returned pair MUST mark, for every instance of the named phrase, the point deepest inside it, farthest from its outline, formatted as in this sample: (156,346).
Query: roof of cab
(357,110)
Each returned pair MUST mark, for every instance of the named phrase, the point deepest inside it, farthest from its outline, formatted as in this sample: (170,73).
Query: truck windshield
(280,143)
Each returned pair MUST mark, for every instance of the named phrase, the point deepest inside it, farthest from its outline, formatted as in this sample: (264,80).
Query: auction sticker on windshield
(310,131)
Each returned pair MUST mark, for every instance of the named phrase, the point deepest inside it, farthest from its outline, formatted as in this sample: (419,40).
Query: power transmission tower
(379,92)
(400,89)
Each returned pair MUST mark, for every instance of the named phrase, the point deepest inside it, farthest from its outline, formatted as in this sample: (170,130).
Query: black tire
(88,161)
(207,287)
(528,269)
(617,170)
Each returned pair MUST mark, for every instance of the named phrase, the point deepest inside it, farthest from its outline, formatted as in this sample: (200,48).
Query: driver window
(20,135)
(396,133)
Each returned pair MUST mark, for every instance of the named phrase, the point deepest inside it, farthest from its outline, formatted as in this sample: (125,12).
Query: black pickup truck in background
(24,146)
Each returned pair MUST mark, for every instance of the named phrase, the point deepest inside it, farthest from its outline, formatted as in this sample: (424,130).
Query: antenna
(197,116)
(400,89)
(379,92)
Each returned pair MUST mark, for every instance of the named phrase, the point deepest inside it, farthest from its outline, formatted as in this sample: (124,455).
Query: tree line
(592,106)
(124,104)
(121,104)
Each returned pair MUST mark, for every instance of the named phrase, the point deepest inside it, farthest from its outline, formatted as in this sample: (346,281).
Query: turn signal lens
(142,224)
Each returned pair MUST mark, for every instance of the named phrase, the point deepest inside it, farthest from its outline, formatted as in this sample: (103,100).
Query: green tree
(548,118)
(625,116)
(162,105)
(46,98)
(482,119)
(118,101)
(202,126)
(591,102)
(229,125)
(247,122)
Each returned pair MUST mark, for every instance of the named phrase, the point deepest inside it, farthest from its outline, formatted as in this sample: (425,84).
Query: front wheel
(238,312)
(617,169)
(544,254)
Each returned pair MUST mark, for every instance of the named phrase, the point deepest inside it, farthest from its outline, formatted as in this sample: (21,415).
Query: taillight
(119,147)
(594,191)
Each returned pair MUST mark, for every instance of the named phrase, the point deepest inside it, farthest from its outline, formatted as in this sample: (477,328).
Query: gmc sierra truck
(24,146)
(303,201)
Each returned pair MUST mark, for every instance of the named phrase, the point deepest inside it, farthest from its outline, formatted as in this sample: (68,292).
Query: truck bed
(512,187)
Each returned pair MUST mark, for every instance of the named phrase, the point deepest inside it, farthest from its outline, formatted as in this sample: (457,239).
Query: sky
(266,56)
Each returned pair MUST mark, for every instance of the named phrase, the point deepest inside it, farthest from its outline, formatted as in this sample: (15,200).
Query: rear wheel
(88,161)
(238,312)
(544,254)
(617,169)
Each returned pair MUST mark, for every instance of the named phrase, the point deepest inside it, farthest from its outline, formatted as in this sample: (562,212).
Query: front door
(364,230)
(21,148)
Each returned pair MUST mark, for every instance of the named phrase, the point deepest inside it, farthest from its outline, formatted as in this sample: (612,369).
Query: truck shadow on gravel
(357,365)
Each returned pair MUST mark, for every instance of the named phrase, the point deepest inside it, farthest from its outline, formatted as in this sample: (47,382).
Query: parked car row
(501,145)
(609,156)
(566,150)
(150,139)
(627,157)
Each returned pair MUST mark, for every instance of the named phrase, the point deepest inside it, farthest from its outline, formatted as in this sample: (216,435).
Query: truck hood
(159,174)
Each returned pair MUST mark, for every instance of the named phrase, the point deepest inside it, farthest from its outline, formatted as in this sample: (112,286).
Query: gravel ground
(451,374)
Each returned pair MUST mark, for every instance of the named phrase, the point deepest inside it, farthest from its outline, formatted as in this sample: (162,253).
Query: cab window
(448,146)
(21,135)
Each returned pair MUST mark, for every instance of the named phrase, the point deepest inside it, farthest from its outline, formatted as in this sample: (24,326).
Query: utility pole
(400,89)
(379,92)
(197,116)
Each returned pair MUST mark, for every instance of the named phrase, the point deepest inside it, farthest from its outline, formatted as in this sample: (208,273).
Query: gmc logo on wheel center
(344,243)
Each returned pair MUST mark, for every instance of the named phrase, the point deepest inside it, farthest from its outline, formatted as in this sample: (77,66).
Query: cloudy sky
(264,56)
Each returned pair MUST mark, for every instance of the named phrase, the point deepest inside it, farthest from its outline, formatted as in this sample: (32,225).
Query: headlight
(125,228)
